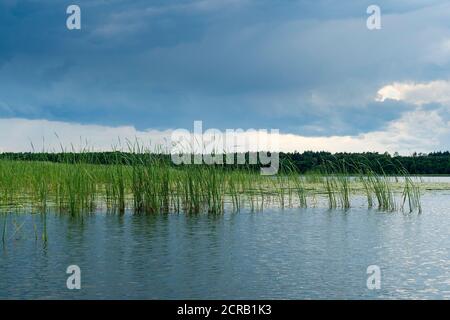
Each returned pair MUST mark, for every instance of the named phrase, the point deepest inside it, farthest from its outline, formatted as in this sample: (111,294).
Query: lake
(312,253)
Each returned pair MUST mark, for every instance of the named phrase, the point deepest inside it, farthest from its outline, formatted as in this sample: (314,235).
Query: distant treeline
(432,163)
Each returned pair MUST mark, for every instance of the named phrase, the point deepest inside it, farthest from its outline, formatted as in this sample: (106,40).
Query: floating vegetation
(152,184)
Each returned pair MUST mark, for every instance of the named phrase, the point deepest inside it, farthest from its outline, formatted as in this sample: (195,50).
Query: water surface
(275,254)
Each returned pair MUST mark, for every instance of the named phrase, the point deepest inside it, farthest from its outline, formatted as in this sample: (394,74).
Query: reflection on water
(291,253)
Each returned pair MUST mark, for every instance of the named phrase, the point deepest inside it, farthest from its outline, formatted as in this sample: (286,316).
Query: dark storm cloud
(306,67)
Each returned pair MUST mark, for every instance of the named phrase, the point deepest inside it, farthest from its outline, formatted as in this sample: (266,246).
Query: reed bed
(151,185)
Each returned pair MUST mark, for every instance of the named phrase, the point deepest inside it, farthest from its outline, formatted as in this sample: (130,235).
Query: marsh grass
(411,194)
(151,184)
(337,185)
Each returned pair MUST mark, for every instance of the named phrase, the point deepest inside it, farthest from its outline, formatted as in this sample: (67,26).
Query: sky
(309,68)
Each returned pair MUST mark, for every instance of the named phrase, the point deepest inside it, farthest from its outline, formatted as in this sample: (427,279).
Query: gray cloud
(306,67)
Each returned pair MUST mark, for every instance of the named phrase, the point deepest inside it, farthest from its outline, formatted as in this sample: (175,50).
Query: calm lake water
(275,254)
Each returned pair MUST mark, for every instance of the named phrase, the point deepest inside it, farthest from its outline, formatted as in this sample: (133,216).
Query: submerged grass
(153,185)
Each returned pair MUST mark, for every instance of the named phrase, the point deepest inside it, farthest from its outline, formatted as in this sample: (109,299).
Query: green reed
(148,183)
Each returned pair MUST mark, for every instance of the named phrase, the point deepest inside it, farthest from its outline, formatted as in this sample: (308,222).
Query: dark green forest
(432,163)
